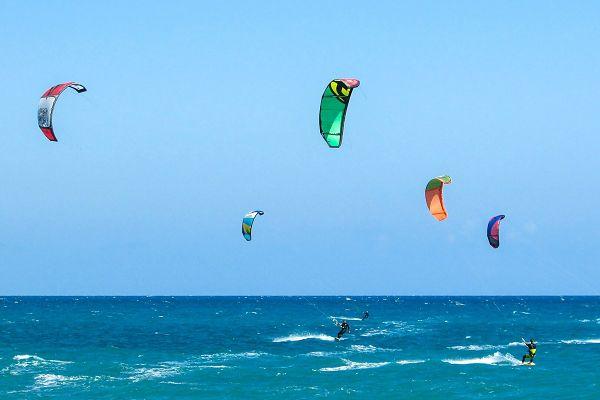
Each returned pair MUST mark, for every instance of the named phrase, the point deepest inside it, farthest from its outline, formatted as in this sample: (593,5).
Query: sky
(198,112)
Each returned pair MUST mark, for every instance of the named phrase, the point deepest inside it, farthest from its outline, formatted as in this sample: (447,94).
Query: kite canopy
(247,223)
(433,196)
(46,107)
(493,231)
(332,112)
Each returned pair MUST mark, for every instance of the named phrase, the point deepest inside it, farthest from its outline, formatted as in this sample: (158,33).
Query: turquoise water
(283,347)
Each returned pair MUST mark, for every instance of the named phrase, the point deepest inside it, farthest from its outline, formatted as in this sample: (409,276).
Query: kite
(332,113)
(247,223)
(46,107)
(493,231)
(433,196)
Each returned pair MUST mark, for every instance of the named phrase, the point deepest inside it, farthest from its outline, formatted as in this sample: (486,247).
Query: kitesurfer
(532,348)
(365,315)
(345,328)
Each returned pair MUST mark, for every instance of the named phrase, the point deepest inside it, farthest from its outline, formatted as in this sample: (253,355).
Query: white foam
(475,347)
(20,357)
(319,354)
(251,354)
(363,349)
(229,356)
(395,323)
(406,362)
(52,380)
(27,360)
(309,336)
(495,359)
(376,332)
(140,374)
(392,328)
(582,341)
(481,347)
(351,365)
(346,318)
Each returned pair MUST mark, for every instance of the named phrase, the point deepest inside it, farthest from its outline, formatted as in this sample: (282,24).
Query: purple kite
(493,231)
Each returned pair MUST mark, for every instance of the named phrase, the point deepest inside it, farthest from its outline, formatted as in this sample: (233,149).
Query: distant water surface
(284,348)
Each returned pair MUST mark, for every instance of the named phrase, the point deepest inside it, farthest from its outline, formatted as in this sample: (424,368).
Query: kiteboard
(529,364)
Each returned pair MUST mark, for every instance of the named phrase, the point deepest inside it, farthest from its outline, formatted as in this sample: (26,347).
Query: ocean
(284,348)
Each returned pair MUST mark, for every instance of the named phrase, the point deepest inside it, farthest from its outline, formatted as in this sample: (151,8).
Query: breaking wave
(474,347)
(53,380)
(581,341)
(406,362)
(35,360)
(142,374)
(363,349)
(297,338)
(345,318)
(351,365)
(495,359)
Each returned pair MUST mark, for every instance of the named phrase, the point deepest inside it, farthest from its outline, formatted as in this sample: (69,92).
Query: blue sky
(198,112)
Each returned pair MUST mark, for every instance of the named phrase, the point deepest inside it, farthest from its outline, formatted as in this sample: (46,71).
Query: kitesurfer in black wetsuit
(345,328)
(532,347)
(365,315)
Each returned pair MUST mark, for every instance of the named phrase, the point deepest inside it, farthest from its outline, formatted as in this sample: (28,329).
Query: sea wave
(581,341)
(319,354)
(345,318)
(363,349)
(27,363)
(406,362)
(482,347)
(387,332)
(377,332)
(324,353)
(36,360)
(360,348)
(395,323)
(351,365)
(149,373)
(53,380)
(299,337)
(475,347)
(231,356)
(495,359)
(391,328)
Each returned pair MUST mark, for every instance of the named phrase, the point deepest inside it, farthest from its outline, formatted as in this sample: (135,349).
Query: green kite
(332,113)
